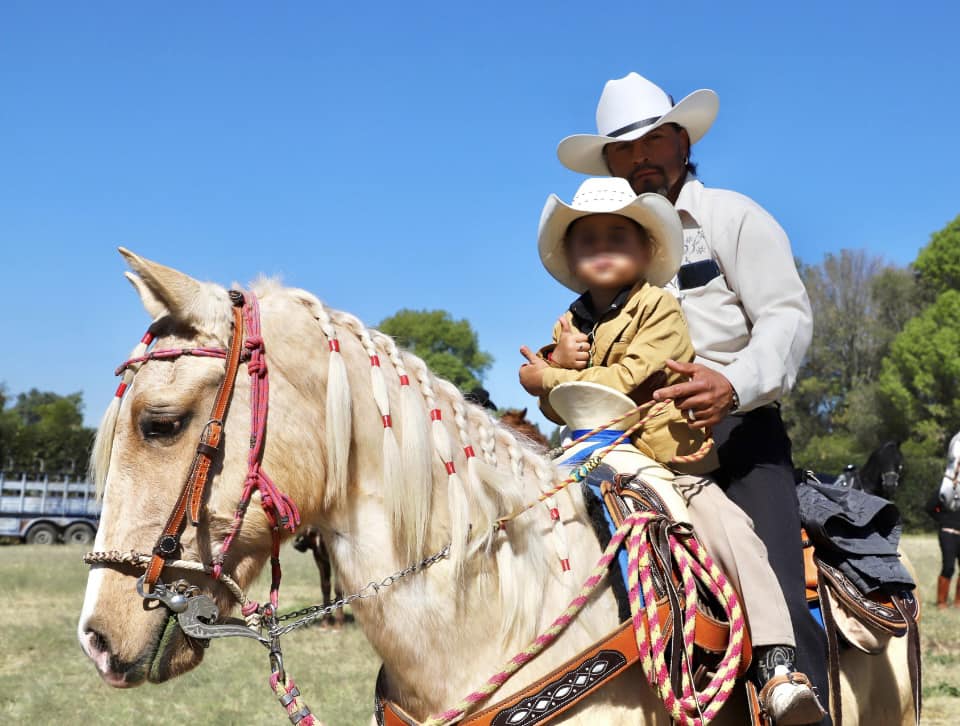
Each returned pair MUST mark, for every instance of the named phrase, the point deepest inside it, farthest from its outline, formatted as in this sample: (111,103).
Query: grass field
(45,679)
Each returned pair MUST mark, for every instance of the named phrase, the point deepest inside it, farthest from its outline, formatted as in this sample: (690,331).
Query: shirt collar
(689,199)
(584,316)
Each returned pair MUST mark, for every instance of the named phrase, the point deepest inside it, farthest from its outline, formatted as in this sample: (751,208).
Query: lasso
(690,707)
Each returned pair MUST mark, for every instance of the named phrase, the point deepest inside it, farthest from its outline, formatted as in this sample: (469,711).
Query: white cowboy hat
(584,405)
(629,108)
(611,195)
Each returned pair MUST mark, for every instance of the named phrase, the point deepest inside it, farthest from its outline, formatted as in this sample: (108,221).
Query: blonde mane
(418,451)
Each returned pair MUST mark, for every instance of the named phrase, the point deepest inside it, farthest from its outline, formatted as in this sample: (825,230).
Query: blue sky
(391,155)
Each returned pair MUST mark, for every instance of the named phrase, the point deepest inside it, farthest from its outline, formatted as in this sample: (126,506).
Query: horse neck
(472,611)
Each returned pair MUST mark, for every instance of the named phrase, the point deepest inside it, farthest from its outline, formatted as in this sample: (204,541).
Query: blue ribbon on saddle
(594,443)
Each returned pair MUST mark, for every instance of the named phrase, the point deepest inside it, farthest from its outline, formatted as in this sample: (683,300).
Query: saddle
(865,621)
(555,693)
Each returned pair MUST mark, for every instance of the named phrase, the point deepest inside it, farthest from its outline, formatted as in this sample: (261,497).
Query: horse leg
(322,558)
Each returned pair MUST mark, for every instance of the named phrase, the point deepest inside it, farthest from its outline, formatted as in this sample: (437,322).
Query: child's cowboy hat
(612,195)
(629,108)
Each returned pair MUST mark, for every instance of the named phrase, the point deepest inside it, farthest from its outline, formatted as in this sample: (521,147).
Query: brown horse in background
(516,419)
(311,540)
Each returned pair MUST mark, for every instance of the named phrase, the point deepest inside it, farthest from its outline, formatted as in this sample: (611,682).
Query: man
(748,314)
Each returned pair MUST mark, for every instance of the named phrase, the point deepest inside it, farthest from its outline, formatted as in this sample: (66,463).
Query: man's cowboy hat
(629,108)
(611,195)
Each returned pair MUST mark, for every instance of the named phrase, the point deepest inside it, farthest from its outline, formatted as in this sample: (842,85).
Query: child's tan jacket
(629,353)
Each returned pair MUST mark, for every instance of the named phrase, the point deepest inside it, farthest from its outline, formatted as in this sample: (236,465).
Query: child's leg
(727,533)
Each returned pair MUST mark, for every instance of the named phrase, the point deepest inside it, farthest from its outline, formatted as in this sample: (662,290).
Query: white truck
(44,511)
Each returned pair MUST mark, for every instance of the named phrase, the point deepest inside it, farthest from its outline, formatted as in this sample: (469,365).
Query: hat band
(635,125)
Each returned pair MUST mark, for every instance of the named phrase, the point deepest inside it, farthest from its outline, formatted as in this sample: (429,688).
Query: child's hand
(531,372)
(573,348)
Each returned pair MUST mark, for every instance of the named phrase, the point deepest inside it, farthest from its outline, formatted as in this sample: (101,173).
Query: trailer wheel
(42,534)
(79,533)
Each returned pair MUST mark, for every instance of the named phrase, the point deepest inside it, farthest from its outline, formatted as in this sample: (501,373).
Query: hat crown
(603,194)
(629,100)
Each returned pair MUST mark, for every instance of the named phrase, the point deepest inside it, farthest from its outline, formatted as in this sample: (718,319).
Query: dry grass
(45,679)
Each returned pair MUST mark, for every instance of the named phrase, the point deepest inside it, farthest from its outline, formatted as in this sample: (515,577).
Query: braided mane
(478,467)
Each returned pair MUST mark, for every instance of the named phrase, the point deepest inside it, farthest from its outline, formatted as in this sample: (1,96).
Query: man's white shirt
(753,322)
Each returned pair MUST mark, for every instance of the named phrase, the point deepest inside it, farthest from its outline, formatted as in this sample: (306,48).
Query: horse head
(883,470)
(388,462)
(144,450)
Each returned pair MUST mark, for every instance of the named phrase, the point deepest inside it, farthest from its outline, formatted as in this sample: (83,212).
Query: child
(617,250)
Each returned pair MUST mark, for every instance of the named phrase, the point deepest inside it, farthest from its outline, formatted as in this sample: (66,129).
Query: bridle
(197,612)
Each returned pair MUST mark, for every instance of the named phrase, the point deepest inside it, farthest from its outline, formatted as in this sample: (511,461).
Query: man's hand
(573,348)
(531,372)
(704,399)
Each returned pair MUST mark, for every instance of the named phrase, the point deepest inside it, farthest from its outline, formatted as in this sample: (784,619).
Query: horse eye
(166,426)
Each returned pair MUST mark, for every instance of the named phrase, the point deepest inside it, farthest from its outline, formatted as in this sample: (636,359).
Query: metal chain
(307,615)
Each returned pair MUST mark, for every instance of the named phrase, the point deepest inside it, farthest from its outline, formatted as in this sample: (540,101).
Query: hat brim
(651,211)
(586,405)
(696,113)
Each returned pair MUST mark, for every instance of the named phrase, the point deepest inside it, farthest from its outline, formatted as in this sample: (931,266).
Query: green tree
(44,427)
(920,381)
(859,303)
(938,264)
(449,347)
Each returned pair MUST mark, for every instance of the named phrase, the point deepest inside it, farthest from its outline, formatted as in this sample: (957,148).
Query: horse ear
(200,305)
(154,307)
(523,413)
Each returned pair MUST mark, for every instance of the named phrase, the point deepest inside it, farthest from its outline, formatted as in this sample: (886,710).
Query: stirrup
(791,701)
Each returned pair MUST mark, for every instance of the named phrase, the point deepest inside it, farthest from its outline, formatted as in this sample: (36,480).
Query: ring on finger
(691,416)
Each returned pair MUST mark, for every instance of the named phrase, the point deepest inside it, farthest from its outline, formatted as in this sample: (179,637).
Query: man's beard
(650,183)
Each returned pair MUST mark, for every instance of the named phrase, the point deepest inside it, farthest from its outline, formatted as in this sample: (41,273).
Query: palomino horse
(390,464)
(950,486)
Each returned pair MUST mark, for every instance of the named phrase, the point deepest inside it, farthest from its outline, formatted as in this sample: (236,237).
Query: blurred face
(653,163)
(607,252)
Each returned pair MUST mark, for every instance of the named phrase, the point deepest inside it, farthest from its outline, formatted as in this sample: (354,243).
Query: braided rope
(691,561)
(141,560)
(691,707)
(289,696)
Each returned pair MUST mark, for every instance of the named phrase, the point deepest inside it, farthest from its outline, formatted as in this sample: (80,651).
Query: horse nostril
(95,643)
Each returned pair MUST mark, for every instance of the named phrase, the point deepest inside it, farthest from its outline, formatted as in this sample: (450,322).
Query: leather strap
(617,651)
(833,654)
(711,635)
(913,656)
(191,496)
(757,715)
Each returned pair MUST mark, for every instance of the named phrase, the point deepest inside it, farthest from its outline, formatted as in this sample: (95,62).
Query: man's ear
(685,140)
